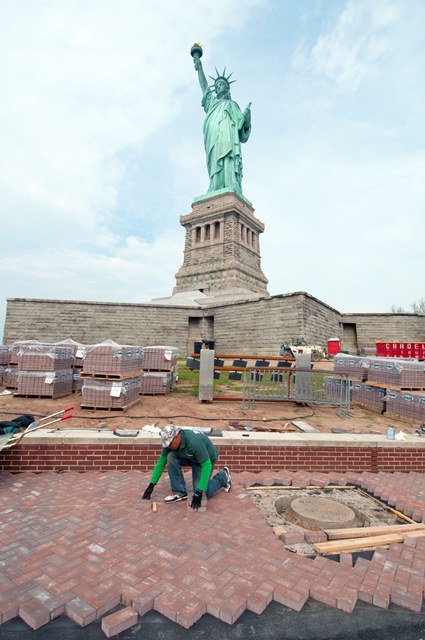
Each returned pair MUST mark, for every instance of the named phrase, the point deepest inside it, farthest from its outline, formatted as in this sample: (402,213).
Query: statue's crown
(222,76)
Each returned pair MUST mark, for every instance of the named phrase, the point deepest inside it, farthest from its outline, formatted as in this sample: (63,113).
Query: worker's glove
(196,500)
(148,492)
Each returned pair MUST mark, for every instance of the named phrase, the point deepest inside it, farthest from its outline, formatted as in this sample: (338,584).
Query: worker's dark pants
(178,483)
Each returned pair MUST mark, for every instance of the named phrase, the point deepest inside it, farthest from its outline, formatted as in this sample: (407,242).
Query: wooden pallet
(144,393)
(112,376)
(406,419)
(127,406)
(384,385)
(393,387)
(41,397)
(367,407)
(173,368)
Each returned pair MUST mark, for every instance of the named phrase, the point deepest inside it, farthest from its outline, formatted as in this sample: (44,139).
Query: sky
(102,147)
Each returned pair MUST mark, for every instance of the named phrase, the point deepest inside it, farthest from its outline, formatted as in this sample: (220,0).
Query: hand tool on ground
(38,424)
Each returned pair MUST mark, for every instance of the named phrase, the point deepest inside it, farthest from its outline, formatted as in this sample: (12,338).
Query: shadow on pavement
(315,622)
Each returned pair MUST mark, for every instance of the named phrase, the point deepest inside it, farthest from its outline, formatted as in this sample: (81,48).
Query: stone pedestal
(222,248)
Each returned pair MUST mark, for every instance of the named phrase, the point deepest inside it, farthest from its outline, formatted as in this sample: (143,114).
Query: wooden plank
(302,425)
(362,532)
(363,543)
(265,426)
(113,376)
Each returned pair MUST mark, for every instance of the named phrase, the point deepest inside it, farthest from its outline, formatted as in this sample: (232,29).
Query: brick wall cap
(253,438)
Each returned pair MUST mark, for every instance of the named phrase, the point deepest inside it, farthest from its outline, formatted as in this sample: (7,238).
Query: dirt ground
(185,409)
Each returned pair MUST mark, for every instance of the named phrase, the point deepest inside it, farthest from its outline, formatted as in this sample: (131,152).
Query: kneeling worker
(187,448)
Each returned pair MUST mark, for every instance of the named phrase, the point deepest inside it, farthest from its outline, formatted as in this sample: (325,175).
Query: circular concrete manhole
(316,513)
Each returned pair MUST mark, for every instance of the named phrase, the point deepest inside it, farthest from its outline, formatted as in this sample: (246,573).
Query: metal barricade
(299,385)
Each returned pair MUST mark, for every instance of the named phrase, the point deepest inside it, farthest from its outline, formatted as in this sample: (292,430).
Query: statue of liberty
(225,128)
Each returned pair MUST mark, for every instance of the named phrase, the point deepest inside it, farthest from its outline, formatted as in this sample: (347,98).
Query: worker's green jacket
(196,447)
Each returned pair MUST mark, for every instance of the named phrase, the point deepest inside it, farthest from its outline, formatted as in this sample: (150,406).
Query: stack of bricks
(44,370)
(112,376)
(354,366)
(160,358)
(78,352)
(10,374)
(368,396)
(77,381)
(394,372)
(99,393)
(405,405)
(110,358)
(156,383)
(4,362)
(44,357)
(159,369)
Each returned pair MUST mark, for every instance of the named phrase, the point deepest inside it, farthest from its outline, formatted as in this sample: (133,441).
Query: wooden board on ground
(302,425)
(363,543)
(363,532)
(273,427)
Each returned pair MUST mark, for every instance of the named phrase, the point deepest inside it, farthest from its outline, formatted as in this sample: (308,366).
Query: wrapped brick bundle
(10,377)
(110,394)
(408,374)
(4,355)
(77,382)
(53,384)
(111,358)
(353,366)
(160,358)
(405,405)
(156,383)
(367,396)
(17,346)
(78,350)
(44,357)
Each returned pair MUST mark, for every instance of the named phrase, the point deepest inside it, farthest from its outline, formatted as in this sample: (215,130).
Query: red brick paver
(83,544)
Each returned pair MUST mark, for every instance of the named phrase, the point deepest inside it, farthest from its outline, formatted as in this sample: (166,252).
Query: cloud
(86,86)
(353,45)
(101,132)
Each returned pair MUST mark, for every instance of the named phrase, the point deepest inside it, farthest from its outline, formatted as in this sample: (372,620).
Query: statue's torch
(196,50)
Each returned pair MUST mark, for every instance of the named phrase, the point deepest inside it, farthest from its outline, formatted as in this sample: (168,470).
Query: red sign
(401,350)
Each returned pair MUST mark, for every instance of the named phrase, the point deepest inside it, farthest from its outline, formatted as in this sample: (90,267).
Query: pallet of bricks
(112,376)
(43,369)
(9,358)
(78,352)
(159,369)
(404,382)
(387,385)
(4,363)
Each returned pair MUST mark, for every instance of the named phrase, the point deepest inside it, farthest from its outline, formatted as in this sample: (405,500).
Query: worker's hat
(168,434)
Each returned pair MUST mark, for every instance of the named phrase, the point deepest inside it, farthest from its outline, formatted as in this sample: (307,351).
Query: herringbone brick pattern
(82,544)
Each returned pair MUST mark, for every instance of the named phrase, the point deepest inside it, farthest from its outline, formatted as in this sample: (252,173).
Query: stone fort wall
(250,327)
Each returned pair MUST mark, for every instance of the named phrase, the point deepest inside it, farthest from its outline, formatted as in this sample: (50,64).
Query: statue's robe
(224,130)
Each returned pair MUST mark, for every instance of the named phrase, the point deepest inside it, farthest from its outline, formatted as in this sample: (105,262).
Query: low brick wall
(80,457)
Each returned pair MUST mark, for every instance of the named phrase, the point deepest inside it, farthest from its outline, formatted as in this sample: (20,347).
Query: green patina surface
(226,127)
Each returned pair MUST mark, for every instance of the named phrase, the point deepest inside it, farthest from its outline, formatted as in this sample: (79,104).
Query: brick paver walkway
(82,544)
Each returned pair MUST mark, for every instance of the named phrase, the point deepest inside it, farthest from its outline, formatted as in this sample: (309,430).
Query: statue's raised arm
(201,75)
(225,128)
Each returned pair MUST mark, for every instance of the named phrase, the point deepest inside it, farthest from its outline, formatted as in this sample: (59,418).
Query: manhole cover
(299,511)
(312,512)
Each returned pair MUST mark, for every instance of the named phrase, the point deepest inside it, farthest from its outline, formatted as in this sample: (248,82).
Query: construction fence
(273,380)
(300,385)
